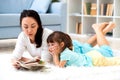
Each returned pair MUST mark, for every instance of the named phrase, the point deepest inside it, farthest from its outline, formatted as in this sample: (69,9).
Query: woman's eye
(25,27)
(32,26)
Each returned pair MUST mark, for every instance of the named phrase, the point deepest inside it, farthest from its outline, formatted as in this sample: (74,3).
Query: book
(77,24)
(88,8)
(93,9)
(84,9)
(32,65)
(101,9)
(104,9)
(78,27)
(108,10)
(111,9)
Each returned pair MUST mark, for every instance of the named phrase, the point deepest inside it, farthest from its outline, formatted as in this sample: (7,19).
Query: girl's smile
(54,48)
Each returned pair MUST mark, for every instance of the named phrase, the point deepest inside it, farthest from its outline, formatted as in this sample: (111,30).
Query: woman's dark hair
(58,36)
(35,16)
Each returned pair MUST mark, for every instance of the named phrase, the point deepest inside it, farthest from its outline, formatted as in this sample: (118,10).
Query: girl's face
(55,48)
(29,26)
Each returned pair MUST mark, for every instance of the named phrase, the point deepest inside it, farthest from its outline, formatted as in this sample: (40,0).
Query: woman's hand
(16,64)
(37,58)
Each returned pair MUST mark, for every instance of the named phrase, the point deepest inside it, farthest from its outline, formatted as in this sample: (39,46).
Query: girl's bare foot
(100,26)
(109,27)
(104,27)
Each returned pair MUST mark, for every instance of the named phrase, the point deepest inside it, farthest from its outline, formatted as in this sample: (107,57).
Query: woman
(32,38)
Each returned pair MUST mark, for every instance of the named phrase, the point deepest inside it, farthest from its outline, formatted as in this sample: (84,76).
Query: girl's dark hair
(58,36)
(35,16)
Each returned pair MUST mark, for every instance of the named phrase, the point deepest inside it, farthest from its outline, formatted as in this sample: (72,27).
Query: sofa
(53,18)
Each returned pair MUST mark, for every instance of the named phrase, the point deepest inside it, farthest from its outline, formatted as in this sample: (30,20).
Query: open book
(32,65)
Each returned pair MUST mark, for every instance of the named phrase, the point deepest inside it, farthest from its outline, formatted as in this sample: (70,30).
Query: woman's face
(29,27)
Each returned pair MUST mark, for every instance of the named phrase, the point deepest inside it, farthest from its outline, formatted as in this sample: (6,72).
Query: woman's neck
(32,40)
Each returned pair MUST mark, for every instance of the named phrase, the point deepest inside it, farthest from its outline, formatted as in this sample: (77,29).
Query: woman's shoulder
(46,30)
(46,33)
(22,36)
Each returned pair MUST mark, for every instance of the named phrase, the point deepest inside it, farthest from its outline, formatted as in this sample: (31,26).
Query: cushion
(8,6)
(41,6)
(55,0)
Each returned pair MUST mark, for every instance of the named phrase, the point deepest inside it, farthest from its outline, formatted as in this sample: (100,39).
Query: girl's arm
(57,62)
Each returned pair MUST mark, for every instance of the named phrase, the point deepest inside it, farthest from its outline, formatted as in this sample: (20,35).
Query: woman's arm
(15,62)
(20,46)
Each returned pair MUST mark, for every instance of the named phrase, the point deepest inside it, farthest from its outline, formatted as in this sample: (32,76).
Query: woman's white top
(23,43)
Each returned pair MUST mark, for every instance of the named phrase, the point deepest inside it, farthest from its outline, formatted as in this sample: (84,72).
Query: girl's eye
(50,44)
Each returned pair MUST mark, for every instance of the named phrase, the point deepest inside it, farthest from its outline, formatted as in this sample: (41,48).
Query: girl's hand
(54,54)
(54,51)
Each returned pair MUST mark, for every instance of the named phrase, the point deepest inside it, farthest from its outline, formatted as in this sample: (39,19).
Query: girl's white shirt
(23,43)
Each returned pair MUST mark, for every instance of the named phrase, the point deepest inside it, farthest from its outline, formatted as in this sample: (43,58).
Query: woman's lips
(30,34)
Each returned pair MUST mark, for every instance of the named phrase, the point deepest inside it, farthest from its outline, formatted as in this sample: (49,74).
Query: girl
(60,47)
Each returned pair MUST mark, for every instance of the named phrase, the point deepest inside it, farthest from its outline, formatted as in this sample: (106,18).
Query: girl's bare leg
(109,27)
(106,27)
(93,40)
(101,40)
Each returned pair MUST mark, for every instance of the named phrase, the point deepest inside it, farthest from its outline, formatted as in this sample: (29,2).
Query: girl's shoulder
(76,43)
(67,51)
(77,46)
